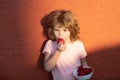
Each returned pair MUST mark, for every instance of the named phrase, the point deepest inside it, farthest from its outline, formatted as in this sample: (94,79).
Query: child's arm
(84,62)
(50,62)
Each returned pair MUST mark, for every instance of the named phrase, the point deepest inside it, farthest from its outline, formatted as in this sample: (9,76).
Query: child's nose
(60,33)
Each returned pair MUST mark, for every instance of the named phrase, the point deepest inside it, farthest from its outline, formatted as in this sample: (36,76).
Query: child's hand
(61,47)
(61,44)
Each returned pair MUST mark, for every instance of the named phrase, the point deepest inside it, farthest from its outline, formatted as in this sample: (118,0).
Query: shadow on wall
(44,74)
(44,25)
(106,63)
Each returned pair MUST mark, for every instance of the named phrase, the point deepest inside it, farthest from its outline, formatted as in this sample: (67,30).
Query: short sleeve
(47,47)
(82,51)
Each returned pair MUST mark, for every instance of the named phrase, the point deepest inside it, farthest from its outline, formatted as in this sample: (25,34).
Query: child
(62,58)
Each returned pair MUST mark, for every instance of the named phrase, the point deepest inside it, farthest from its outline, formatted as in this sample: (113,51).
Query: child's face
(61,32)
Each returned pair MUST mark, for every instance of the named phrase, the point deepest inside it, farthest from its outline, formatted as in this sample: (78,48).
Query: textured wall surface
(21,36)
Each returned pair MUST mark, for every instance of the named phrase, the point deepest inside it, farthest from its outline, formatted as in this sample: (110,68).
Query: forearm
(84,62)
(50,63)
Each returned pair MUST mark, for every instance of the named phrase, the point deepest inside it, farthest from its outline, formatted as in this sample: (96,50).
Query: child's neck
(68,42)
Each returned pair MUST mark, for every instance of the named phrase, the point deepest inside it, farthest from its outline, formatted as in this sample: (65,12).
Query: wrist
(59,50)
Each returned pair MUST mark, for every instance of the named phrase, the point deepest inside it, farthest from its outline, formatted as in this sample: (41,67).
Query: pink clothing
(68,60)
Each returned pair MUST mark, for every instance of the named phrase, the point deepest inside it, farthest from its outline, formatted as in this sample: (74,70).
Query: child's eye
(65,29)
(56,29)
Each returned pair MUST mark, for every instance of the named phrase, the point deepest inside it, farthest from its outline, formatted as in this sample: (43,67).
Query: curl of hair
(65,19)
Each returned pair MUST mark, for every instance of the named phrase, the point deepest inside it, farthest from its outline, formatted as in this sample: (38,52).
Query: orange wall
(21,36)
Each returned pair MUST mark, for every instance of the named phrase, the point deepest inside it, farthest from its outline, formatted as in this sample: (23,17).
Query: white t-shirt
(68,59)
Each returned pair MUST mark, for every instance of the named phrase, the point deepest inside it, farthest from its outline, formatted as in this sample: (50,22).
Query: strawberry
(83,71)
(80,68)
(80,71)
(87,70)
(60,40)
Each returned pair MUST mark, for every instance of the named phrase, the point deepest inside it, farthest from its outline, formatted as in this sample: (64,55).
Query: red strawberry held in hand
(83,71)
(60,40)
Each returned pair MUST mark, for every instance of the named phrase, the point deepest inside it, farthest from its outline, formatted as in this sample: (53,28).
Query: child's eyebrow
(60,28)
